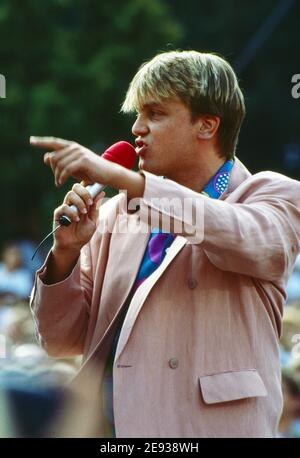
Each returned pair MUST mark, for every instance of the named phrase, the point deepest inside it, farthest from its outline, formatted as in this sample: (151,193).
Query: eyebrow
(152,105)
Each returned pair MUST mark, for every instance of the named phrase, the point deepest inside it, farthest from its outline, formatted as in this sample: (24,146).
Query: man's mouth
(140,147)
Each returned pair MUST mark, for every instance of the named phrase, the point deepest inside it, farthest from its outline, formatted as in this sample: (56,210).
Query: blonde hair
(205,82)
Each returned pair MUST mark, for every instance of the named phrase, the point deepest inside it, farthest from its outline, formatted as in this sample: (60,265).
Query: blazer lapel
(142,292)
(127,247)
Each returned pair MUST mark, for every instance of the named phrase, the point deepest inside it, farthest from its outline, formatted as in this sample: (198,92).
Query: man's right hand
(68,240)
(82,228)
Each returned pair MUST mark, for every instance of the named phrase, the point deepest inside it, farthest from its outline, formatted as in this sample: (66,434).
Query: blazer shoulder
(275,177)
(268,184)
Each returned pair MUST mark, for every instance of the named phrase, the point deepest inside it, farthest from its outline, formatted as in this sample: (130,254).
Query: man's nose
(140,127)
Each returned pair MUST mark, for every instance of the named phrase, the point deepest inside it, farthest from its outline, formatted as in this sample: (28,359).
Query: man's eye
(154,114)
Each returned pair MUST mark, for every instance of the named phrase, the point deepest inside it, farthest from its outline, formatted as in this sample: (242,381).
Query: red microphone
(122,153)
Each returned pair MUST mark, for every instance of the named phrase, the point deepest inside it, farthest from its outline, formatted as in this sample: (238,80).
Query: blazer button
(173,363)
(192,283)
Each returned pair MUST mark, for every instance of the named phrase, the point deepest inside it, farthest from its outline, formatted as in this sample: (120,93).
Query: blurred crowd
(32,385)
(290,358)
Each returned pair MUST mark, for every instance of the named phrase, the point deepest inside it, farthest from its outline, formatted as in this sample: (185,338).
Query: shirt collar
(218,184)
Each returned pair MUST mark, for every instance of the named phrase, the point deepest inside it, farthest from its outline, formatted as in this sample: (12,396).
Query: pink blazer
(198,351)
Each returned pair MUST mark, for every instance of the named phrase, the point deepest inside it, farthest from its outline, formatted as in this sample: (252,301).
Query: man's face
(166,142)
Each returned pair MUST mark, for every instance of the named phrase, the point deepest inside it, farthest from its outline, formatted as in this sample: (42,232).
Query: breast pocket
(231,386)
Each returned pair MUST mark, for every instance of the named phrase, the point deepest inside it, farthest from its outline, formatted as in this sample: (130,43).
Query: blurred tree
(67,66)
(272,121)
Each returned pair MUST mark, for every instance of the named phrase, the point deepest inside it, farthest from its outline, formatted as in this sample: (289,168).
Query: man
(189,320)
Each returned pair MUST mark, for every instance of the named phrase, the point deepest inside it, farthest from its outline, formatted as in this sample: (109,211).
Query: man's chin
(143,167)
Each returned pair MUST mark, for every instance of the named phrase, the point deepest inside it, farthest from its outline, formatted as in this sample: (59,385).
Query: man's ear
(207,126)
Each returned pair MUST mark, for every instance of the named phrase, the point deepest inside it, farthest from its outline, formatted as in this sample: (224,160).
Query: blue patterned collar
(218,184)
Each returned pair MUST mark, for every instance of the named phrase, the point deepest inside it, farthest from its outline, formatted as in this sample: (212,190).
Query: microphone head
(123,153)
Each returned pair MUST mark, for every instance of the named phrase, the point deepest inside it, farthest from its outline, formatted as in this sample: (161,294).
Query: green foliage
(67,66)
(226,27)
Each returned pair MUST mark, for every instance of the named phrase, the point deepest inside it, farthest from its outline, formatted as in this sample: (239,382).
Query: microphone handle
(94,190)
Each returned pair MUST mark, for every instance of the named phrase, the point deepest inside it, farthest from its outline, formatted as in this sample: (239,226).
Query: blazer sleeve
(255,232)
(61,310)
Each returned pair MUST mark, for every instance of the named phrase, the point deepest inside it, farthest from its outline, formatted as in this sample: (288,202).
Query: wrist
(106,172)
(131,181)
(66,251)
(61,262)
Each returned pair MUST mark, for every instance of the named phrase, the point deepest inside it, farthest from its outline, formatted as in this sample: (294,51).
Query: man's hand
(67,158)
(75,236)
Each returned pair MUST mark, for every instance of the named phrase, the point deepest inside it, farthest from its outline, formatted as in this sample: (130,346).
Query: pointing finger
(49,142)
